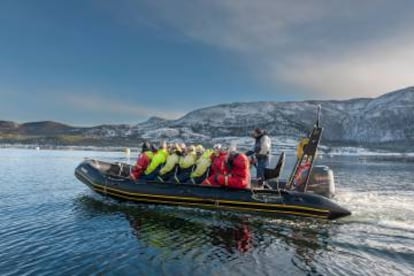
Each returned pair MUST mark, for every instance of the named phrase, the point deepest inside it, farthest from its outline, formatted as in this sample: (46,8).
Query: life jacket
(219,164)
(301,147)
(170,164)
(301,174)
(144,159)
(158,159)
(218,167)
(239,174)
(241,166)
(188,160)
(202,164)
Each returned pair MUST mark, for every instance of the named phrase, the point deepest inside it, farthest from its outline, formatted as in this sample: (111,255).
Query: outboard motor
(321,181)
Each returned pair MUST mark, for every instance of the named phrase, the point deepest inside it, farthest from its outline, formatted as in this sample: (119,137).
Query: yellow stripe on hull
(217,206)
(178,200)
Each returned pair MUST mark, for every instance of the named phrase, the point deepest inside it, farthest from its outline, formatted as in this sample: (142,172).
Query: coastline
(286,146)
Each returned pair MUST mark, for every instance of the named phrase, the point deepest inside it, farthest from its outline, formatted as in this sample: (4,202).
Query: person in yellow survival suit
(157,161)
(171,165)
(203,164)
(186,165)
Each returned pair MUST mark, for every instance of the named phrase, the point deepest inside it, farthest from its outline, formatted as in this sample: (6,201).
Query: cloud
(104,105)
(241,25)
(332,49)
(367,71)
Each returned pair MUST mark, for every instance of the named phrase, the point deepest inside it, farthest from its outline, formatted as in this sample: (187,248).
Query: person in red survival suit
(239,172)
(144,159)
(218,165)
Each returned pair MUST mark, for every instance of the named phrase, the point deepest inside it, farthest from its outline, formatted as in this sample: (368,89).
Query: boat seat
(275,173)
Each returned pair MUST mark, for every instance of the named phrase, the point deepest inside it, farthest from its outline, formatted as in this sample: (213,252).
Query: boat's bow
(333,210)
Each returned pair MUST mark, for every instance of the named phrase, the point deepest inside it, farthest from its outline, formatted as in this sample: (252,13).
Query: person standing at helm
(262,149)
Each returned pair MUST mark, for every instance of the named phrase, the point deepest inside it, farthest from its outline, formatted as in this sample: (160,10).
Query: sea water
(51,223)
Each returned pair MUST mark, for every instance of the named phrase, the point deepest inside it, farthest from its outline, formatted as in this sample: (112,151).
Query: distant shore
(324,151)
(62,147)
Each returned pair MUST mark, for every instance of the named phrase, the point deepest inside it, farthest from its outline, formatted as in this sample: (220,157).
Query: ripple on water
(52,224)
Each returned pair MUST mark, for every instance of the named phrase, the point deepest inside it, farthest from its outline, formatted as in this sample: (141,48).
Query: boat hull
(269,202)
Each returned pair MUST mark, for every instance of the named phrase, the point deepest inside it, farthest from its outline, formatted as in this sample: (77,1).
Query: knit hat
(146,146)
(258,132)
(154,148)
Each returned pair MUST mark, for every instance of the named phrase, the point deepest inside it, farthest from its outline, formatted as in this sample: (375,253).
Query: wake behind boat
(304,194)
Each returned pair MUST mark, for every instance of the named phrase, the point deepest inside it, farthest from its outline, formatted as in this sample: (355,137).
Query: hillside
(386,122)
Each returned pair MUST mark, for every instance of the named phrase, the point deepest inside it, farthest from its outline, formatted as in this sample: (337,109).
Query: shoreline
(324,151)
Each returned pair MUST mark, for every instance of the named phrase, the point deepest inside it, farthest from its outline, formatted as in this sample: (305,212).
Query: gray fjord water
(50,223)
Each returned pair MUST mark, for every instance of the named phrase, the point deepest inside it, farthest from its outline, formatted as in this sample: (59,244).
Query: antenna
(318,116)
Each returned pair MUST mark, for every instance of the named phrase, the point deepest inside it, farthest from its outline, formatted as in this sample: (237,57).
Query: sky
(90,62)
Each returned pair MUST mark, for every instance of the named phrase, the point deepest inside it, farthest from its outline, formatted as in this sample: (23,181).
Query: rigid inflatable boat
(305,193)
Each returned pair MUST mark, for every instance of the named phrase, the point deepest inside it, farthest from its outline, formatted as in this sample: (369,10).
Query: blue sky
(92,62)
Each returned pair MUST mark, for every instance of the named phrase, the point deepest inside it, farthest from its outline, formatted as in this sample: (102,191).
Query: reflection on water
(214,235)
(164,227)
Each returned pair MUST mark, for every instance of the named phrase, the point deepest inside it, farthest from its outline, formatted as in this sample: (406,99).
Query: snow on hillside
(385,119)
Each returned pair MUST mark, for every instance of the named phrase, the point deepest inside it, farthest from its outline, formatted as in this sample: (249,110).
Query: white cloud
(332,49)
(106,106)
(367,71)
(237,25)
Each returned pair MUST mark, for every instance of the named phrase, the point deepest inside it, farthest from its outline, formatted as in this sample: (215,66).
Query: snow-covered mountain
(386,120)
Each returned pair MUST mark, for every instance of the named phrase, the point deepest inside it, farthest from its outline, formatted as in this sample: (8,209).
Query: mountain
(385,121)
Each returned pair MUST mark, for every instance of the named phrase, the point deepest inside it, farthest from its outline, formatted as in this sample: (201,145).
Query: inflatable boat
(305,193)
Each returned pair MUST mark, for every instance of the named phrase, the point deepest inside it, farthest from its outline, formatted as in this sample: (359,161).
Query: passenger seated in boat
(203,164)
(218,165)
(238,176)
(185,166)
(143,160)
(171,165)
(156,163)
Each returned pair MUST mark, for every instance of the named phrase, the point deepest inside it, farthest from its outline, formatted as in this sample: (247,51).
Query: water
(50,223)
